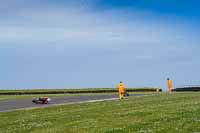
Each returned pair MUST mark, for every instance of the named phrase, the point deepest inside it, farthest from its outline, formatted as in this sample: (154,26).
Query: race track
(16,104)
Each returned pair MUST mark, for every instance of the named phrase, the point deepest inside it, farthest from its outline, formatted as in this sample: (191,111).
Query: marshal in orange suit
(169,85)
(121,90)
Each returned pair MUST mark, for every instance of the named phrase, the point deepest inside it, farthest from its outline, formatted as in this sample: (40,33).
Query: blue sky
(97,43)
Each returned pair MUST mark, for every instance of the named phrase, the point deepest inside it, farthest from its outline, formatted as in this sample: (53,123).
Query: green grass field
(179,112)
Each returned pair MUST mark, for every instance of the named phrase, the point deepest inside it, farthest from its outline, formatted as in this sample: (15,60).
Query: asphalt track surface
(16,104)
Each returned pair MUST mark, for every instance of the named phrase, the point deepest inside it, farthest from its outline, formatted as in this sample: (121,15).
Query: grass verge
(73,91)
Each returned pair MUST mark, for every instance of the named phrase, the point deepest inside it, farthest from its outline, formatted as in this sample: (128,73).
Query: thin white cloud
(80,27)
(74,24)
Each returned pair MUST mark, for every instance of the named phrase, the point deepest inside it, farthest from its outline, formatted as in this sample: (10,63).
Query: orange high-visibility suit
(121,90)
(169,83)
